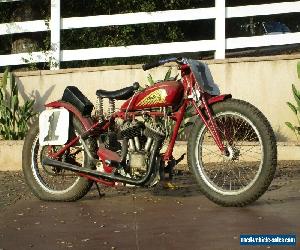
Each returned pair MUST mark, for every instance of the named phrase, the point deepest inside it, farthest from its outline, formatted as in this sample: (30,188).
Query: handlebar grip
(150,65)
(136,85)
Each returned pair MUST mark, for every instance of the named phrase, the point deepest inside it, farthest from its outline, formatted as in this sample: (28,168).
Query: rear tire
(246,173)
(50,183)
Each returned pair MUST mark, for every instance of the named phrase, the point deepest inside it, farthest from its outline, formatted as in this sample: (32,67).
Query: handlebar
(162,62)
(150,65)
(136,85)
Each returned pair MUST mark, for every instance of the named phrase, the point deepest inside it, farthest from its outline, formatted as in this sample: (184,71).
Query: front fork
(210,123)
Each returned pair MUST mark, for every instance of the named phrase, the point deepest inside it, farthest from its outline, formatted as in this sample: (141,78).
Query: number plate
(54,127)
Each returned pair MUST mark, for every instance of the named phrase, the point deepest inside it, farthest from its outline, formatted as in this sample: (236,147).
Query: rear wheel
(52,183)
(247,170)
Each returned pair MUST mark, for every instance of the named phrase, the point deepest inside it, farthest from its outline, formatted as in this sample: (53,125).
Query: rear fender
(86,121)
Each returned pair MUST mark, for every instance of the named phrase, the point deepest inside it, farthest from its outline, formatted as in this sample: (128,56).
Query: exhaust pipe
(111,177)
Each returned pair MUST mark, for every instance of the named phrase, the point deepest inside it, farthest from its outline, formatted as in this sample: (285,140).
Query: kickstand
(100,195)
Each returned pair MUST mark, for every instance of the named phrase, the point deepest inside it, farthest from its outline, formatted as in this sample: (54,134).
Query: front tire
(51,183)
(246,172)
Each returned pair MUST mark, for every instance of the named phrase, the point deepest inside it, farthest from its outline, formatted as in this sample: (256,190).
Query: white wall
(265,82)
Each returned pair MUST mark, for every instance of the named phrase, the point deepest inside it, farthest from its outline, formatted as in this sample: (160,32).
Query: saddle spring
(111,107)
(99,105)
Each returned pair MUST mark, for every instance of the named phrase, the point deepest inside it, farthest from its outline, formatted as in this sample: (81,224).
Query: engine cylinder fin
(154,132)
(132,129)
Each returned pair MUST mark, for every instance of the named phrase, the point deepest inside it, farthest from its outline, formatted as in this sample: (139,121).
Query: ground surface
(136,218)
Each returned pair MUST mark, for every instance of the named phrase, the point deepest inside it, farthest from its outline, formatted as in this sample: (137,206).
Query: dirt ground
(142,218)
(13,187)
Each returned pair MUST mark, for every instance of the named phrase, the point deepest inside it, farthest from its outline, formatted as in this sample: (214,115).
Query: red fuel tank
(163,94)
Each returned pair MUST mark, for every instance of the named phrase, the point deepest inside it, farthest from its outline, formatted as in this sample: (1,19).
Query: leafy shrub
(14,117)
(295,108)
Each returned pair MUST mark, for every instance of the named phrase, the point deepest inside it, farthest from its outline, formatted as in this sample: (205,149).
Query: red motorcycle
(231,146)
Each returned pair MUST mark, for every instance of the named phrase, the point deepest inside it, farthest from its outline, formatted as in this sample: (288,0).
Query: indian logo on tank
(157,96)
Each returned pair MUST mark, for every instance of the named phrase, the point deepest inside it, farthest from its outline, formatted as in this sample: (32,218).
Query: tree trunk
(24,42)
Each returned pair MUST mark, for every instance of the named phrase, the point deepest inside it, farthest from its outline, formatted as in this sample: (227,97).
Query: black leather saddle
(121,94)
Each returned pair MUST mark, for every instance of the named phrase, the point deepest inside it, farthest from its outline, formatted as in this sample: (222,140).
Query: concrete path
(130,218)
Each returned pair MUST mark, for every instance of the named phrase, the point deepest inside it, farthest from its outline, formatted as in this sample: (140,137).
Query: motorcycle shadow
(182,185)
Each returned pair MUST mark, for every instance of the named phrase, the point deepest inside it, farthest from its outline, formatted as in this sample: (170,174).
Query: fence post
(220,29)
(55,34)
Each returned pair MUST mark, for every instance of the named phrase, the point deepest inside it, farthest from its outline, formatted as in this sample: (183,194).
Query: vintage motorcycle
(231,146)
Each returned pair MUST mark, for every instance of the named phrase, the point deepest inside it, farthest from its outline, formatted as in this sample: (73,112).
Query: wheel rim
(52,182)
(239,170)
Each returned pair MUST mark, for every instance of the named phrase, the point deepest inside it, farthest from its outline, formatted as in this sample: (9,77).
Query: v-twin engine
(138,137)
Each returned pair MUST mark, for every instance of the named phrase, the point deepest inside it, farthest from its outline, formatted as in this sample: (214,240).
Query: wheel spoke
(211,152)
(231,173)
(51,178)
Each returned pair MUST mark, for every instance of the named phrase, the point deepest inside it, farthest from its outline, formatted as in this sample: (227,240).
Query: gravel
(13,187)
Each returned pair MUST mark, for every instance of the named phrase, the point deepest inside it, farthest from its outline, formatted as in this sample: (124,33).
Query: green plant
(14,117)
(167,77)
(295,108)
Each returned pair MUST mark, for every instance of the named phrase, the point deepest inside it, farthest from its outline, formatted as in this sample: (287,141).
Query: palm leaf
(290,126)
(168,74)
(292,107)
(150,80)
(15,102)
(14,86)
(3,82)
(296,95)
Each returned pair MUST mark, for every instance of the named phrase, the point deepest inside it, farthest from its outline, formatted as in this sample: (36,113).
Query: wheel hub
(232,153)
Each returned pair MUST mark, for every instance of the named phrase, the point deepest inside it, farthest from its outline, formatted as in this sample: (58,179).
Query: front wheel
(246,171)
